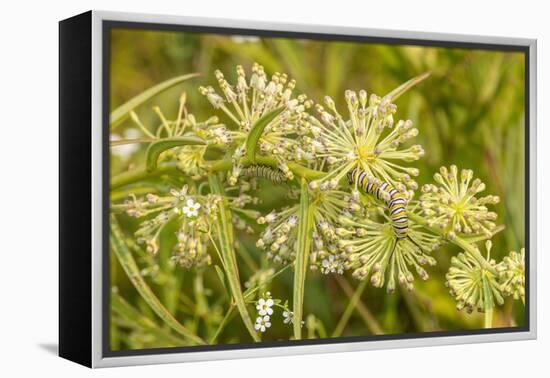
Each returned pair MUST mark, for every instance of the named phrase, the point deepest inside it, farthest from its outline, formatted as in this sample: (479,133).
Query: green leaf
(129,265)
(136,319)
(256,132)
(397,92)
(221,276)
(224,231)
(305,230)
(156,148)
(121,113)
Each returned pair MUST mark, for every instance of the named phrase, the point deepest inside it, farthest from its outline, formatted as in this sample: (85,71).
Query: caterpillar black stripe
(395,200)
(276,176)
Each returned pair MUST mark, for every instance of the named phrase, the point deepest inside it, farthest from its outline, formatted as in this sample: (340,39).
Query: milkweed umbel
(276,176)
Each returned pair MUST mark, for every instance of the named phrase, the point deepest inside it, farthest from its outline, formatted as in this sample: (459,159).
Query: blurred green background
(470,112)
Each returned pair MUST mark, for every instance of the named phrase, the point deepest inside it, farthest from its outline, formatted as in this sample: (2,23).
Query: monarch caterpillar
(395,200)
(276,176)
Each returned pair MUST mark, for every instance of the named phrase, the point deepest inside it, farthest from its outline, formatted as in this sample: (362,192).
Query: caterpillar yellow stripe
(395,200)
(276,176)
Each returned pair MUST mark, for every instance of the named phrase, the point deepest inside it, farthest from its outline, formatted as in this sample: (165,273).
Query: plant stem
(134,175)
(118,195)
(489,301)
(305,229)
(224,228)
(457,241)
(221,327)
(132,270)
(297,169)
(349,309)
(488,318)
(229,314)
(136,320)
(121,142)
(363,310)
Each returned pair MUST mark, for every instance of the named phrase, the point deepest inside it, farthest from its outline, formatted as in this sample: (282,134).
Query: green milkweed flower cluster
(338,227)
(473,285)
(246,101)
(453,206)
(512,275)
(369,140)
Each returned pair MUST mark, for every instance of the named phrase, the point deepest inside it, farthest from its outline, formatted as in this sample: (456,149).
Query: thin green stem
(229,314)
(224,228)
(221,327)
(488,301)
(305,230)
(297,169)
(129,265)
(138,174)
(488,318)
(118,195)
(114,143)
(137,320)
(354,300)
(457,241)
(369,319)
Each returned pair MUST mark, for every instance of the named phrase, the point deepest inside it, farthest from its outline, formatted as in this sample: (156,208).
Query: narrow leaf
(257,131)
(114,143)
(134,317)
(397,92)
(221,276)
(121,113)
(129,265)
(156,148)
(224,231)
(305,229)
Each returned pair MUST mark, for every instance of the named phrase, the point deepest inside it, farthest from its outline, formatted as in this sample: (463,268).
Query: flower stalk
(224,232)
(354,300)
(457,241)
(130,267)
(305,230)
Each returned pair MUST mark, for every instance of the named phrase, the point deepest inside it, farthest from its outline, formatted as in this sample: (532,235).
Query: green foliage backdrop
(469,112)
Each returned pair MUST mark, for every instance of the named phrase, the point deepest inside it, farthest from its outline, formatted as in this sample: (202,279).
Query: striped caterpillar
(276,176)
(395,200)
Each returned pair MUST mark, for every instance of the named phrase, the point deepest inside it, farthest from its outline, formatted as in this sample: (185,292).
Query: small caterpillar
(393,198)
(276,176)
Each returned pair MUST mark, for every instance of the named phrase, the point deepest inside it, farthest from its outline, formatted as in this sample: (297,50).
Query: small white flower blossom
(262,323)
(191,208)
(332,264)
(264,306)
(289,317)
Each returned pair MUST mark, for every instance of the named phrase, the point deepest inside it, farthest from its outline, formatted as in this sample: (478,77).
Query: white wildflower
(262,323)
(264,306)
(191,208)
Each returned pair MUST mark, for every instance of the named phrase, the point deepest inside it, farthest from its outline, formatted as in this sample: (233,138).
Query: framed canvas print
(236,189)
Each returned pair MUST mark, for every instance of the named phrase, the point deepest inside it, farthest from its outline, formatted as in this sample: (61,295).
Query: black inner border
(108,25)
